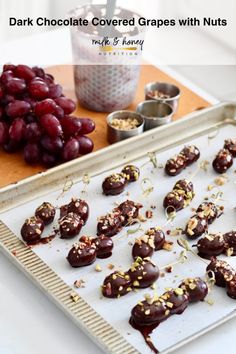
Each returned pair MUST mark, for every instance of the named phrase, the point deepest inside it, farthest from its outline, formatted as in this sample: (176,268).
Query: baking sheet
(116,311)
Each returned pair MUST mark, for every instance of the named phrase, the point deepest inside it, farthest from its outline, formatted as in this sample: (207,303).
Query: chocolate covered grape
(46,212)
(116,284)
(211,245)
(82,253)
(131,173)
(114,184)
(32,229)
(70,225)
(223,161)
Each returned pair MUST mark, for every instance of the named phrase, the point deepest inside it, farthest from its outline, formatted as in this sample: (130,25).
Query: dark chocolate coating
(195,288)
(176,300)
(46,212)
(196,226)
(175,165)
(145,314)
(70,225)
(114,184)
(110,224)
(211,245)
(191,154)
(143,273)
(82,254)
(143,247)
(159,237)
(131,173)
(173,202)
(32,229)
(185,188)
(104,246)
(116,284)
(63,210)
(231,288)
(79,207)
(223,161)
(129,210)
(185,185)
(230,242)
(222,270)
(230,144)
(210,210)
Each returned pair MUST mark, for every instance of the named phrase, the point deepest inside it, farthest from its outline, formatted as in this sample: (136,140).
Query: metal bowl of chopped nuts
(155,113)
(123,124)
(163,92)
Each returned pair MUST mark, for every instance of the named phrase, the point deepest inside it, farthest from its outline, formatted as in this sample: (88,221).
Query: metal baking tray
(205,122)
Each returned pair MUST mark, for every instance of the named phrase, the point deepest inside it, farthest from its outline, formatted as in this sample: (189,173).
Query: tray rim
(7,242)
(10,194)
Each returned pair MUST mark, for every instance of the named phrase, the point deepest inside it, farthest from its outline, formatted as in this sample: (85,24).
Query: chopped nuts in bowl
(123,124)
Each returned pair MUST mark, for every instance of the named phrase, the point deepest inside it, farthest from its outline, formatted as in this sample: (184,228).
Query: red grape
(30,118)
(17,130)
(55,91)
(49,79)
(85,144)
(35,115)
(6,75)
(38,89)
(32,153)
(52,145)
(15,86)
(1,113)
(4,135)
(44,107)
(66,104)
(33,132)
(70,150)
(7,67)
(12,146)
(70,126)
(17,108)
(88,126)
(31,101)
(24,72)
(1,93)
(59,113)
(7,99)
(39,72)
(49,159)
(51,125)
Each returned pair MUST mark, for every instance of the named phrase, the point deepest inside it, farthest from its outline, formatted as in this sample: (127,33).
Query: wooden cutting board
(13,167)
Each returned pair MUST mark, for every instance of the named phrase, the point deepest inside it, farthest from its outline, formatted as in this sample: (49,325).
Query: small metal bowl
(114,134)
(165,88)
(155,113)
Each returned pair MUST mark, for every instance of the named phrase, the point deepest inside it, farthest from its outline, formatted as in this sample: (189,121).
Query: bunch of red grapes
(36,116)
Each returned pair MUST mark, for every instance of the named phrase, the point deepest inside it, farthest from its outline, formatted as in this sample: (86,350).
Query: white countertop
(29,322)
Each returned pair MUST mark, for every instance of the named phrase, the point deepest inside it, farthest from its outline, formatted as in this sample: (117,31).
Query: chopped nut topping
(179,291)
(147,312)
(98,268)
(168,246)
(74,296)
(79,284)
(110,266)
(221,180)
(210,302)
(169,269)
(127,123)
(149,214)
(136,283)
(229,252)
